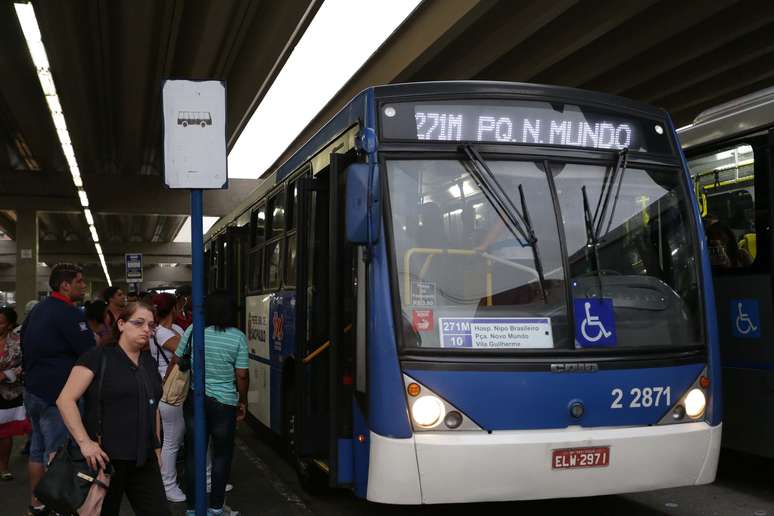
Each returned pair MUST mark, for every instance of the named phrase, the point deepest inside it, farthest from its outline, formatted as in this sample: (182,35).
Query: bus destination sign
(532,123)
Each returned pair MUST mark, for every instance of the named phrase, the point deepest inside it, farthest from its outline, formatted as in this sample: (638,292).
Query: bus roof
(739,116)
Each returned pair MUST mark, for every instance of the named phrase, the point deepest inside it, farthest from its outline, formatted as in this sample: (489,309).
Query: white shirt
(165,357)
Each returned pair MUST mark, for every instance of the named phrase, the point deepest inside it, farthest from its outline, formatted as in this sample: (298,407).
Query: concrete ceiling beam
(134,195)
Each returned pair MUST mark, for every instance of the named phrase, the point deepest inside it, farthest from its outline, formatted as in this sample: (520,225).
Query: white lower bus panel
(457,467)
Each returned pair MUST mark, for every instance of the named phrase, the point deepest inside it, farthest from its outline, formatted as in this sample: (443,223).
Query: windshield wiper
(595,222)
(517,222)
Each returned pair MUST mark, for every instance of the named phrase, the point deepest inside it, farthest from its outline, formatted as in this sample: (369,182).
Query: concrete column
(26,258)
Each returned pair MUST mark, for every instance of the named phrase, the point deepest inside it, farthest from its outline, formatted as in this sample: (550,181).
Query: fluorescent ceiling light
(59,121)
(28,22)
(467,190)
(64,136)
(98,247)
(68,150)
(25,12)
(53,103)
(90,221)
(46,82)
(39,57)
(290,104)
(184,235)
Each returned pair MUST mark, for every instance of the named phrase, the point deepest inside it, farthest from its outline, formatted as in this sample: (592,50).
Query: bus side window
(726,176)
(272,264)
(258,226)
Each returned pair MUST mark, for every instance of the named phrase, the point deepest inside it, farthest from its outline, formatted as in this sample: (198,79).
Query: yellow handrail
(311,356)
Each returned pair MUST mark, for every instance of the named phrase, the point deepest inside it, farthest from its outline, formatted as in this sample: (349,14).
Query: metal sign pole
(200,443)
(195,159)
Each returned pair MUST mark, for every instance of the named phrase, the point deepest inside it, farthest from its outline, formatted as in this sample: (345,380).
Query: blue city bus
(479,291)
(729,152)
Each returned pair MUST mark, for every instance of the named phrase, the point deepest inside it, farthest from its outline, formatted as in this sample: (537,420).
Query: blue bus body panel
(715,408)
(512,400)
(361,454)
(349,115)
(387,402)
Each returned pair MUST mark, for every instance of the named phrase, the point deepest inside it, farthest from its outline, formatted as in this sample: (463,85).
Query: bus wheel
(185,124)
(204,124)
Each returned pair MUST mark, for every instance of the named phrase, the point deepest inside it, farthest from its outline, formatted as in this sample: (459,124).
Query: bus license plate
(581,458)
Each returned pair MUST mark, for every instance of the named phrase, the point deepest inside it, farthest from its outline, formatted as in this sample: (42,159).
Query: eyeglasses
(139,323)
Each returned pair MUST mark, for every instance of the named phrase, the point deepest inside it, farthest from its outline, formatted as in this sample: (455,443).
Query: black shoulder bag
(69,478)
(159,352)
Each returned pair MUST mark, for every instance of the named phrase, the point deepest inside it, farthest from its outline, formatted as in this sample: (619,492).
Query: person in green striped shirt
(225,387)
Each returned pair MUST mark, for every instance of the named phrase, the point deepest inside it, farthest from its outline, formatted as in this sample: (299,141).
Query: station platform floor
(265,484)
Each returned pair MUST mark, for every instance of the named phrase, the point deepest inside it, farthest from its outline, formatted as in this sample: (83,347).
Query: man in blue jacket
(54,335)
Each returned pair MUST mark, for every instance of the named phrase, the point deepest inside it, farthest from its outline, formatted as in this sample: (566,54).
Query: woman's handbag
(70,486)
(178,380)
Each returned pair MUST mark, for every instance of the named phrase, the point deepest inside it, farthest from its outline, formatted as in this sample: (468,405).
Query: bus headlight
(695,403)
(428,411)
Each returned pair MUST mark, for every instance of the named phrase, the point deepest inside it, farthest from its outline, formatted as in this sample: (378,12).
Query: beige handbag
(178,380)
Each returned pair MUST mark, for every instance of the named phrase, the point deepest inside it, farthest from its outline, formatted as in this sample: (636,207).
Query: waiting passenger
(225,388)
(116,301)
(129,434)
(163,345)
(54,335)
(183,318)
(96,315)
(13,418)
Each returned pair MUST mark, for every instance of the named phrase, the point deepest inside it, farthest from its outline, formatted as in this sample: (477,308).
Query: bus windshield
(468,280)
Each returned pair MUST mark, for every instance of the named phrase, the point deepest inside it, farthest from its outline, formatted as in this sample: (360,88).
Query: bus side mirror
(359,201)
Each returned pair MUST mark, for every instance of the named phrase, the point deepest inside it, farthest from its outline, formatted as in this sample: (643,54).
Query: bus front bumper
(455,467)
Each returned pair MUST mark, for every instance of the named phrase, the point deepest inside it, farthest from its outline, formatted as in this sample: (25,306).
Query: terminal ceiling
(109,57)
(684,56)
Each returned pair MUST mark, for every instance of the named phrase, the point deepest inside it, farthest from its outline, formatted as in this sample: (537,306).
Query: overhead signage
(496,333)
(133,262)
(534,123)
(195,134)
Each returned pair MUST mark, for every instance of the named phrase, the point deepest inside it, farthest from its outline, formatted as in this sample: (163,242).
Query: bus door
(236,279)
(305,394)
(325,310)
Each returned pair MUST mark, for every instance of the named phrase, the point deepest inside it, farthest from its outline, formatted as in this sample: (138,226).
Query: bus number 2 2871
(645,397)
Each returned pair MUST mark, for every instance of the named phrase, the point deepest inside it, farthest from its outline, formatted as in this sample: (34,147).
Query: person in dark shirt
(116,301)
(54,335)
(130,430)
(184,317)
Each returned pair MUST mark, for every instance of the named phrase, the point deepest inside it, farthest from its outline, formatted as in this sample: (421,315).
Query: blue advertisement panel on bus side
(510,400)
(282,344)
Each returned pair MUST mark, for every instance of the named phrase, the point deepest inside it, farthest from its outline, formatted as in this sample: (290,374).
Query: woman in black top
(129,434)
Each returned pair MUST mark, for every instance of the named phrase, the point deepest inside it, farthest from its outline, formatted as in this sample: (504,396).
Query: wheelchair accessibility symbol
(745,319)
(594,323)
